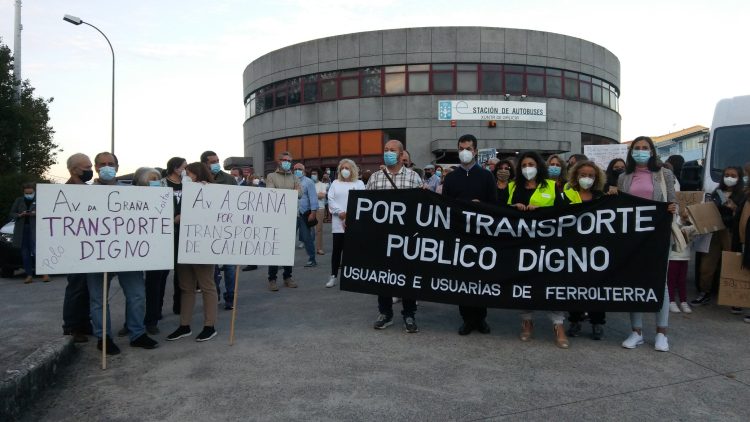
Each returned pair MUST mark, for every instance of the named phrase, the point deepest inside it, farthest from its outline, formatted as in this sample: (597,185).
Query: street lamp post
(77,21)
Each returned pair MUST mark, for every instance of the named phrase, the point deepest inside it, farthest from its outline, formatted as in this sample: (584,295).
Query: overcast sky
(180,63)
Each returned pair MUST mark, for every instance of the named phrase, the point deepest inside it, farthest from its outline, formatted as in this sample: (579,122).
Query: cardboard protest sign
(237,225)
(686,198)
(87,229)
(734,284)
(601,155)
(609,255)
(705,217)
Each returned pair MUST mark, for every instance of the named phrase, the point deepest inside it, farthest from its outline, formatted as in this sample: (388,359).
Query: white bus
(729,140)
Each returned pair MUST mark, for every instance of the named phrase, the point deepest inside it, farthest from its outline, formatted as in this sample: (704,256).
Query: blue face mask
(438,174)
(314,178)
(390,158)
(286,165)
(640,156)
(745,180)
(154,183)
(107,173)
(28,196)
(215,168)
(298,173)
(554,171)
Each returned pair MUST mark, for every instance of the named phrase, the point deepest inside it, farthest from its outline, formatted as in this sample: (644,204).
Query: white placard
(601,155)
(492,110)
(90,229)
(237,225)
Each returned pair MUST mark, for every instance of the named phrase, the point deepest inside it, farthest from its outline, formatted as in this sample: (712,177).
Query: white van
(729,140)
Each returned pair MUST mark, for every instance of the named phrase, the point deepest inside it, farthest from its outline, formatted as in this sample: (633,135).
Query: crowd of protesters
(525,181)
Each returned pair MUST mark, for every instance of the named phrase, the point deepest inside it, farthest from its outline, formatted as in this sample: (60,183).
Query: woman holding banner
(200,275)
(586,184)
(504,175)
(531,190)
(646,178)
(338,196)
(557,171)
(175,175)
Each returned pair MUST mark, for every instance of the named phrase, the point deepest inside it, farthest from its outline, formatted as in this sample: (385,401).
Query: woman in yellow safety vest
(530,190)
(586,183)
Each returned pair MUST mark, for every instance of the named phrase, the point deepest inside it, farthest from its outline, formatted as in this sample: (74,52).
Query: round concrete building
(513,89)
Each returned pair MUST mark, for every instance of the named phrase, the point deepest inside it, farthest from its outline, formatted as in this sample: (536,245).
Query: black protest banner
(605,255)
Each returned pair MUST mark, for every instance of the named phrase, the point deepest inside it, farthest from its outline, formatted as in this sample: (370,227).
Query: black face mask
(87,175)
(618,171)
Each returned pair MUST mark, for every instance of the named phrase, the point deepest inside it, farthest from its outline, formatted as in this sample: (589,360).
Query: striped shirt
(404,179)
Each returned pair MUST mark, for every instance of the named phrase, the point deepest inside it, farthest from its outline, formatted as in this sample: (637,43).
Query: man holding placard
(132,282)
(308,209)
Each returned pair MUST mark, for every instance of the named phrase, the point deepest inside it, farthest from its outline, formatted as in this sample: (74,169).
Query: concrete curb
(21,385)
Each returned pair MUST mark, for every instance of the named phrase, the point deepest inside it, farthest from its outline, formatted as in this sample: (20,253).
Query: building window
(585,87)
(492,79)
(554,83)
(442,78)
(280,94)
(571,85)
(349,87)
(466,78)
(328,86)
(370,81)
(293,93)
(513,79)
(310,88)
(419,78)
(395,79)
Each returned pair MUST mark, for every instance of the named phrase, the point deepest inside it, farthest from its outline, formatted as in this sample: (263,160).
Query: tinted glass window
(442,82)
(419,82)
(310,93)
(395,83)
(371,81)
(730,146)
(350,87)
(467,81)
(535,85)
(513,83)
(554,86)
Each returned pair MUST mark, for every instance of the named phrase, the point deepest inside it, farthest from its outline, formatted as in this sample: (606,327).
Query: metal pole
(112,147)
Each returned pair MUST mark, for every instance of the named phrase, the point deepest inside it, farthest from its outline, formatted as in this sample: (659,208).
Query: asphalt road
(311,354)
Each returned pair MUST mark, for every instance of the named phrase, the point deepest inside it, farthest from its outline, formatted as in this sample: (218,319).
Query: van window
(730,147)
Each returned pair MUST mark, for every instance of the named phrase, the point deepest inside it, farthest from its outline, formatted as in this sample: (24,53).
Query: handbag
(678,237)
(310,223)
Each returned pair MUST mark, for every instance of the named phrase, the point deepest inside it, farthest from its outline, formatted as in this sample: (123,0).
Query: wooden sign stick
(234,304)
(104,323)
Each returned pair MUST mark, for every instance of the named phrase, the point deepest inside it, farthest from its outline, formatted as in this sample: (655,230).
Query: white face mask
(529,172)
(730,181)
(465,156)
(345,173)
(586,182)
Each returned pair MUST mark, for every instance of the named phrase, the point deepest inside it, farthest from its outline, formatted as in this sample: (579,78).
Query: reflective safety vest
(572,194)
(540,198)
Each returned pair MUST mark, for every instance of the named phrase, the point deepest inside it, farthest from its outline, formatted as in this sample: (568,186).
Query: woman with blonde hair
(338,195)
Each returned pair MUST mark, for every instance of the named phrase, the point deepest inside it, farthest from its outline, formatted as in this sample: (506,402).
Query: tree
(27,149)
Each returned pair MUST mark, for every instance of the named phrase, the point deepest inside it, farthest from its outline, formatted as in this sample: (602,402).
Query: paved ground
(311,354)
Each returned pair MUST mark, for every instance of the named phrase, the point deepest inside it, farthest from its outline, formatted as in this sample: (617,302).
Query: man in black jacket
(470,182)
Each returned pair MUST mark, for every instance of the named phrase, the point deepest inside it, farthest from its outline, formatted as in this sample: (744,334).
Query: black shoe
(465,329)
(112,348)
(182,331)
(702,299)
(78,336)
(383,322)
(483,327)
(152,329)
(228,306)
(410,325)
(250,268)
(145,342)
(123,332)
(207,334)
(311,264)
(574,329)
(597,331)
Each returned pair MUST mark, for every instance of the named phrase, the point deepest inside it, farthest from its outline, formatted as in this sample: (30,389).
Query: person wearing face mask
(236,173)
(646,178)
(586,184)
(76,315)
(308,211)
(557,170)
(436,174)
(727,197)
(741,228)
(615,168)
(132,282)
(23,211)
(211,160)
(532,189)
(338,197)
(395,175)
(175,177)
(282,178)
(321,189)
(470,182)
(504,174)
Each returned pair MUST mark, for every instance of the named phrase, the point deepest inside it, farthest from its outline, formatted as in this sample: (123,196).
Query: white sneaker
(634,340)
(685,307)
(746,319)
(396,299)
(331,281)
(660,343)
(300,245)
(674,308)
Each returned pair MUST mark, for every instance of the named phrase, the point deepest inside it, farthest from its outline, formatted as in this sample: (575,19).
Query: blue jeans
(76,305)
(307,236)
(28,245)
(134,288)
(229,273)
(662,317)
